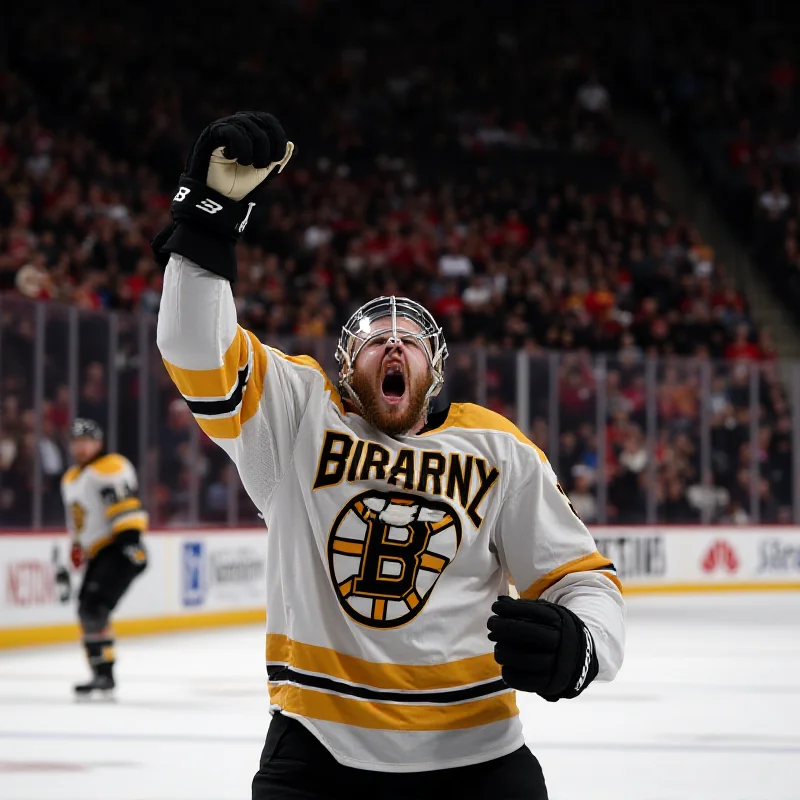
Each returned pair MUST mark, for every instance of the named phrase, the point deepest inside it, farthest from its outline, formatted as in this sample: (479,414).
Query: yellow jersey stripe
(109,464)
(220,382)
(70,475)
(472,417)
(130,504)
(130,522)
(314,704)
(399,677)
(212,383)
(97,546)
(223,428)
(594,561)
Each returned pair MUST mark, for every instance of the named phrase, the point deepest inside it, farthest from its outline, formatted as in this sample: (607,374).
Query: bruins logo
(386,550)
(78,516)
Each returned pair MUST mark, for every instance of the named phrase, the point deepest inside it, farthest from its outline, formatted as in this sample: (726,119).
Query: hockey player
(392,529)
(106,521)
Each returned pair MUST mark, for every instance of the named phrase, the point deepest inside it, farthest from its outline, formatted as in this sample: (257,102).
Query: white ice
(707,707)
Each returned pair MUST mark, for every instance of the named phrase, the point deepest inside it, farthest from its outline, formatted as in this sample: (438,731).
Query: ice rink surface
(707,707)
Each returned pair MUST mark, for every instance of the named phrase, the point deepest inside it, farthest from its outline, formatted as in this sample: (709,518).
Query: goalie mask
(386,316)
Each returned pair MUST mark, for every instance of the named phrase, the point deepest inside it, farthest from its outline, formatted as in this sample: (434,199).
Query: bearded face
(391,379)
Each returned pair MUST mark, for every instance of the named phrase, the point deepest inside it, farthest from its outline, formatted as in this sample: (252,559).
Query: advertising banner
(193,578)
(690,558)
(223,572)
(197,578)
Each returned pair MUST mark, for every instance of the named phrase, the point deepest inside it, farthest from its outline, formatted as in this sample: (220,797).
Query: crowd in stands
(490,183)
(732,101)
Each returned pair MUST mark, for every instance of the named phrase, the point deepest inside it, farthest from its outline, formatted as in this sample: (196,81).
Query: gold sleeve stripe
(473,417)
(393,716)
(399,677)
(224,428)
(130,504)
(134,521)
(97,546)
(593,561)
(307,361)
(110,464)
(230,427)
(213,383)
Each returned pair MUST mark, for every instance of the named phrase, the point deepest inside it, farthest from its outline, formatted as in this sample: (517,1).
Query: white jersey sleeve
(250,399)
(549,553)
(66,500)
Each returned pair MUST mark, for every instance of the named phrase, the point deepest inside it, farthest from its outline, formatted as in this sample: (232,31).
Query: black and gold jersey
(100,501)
(384,555)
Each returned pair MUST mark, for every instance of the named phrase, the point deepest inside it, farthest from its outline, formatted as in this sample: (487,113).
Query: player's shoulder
(70,475)
(312,366)
(472,417)
(110,464)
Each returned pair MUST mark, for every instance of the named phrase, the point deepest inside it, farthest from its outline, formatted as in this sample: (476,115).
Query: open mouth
(393,386)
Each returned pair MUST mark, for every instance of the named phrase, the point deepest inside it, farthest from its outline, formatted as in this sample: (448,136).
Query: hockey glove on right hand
(542,647)
(230,160)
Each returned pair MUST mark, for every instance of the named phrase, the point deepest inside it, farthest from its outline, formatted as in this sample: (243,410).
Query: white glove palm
(228,177)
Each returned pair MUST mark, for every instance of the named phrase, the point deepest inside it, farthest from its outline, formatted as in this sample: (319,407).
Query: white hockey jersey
(384,555)
(100,501)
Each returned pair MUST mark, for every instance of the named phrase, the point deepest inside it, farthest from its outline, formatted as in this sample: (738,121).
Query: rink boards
(206,577)
(194,579)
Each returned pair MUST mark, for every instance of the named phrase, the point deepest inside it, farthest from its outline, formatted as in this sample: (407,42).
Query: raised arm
(228,378)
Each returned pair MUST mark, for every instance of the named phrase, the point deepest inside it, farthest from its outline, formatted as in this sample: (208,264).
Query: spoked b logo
(386,552)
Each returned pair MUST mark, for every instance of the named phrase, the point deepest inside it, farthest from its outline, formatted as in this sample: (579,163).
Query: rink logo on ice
(720,557)
(194,583)
(775,556)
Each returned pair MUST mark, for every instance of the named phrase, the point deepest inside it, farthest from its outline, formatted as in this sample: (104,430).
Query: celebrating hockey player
(106,521)
(393,530)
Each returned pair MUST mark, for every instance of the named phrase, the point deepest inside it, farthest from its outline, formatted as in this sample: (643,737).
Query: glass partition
(632,439)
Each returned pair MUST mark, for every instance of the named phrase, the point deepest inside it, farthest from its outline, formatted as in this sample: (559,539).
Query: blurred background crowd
(475,159)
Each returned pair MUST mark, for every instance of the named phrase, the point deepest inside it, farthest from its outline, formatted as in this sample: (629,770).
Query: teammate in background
(392,529)
(106,521)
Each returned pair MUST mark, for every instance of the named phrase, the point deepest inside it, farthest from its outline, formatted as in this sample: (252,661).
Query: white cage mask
(361,329)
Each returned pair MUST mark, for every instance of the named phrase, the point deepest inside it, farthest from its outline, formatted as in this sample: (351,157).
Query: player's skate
(101,685)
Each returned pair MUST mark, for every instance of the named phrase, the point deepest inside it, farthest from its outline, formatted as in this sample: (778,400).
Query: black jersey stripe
(281,674)
(211,408)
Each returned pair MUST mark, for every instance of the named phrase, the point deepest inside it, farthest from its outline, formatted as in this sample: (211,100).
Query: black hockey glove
(229,161)
(63,584)
(542,647)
